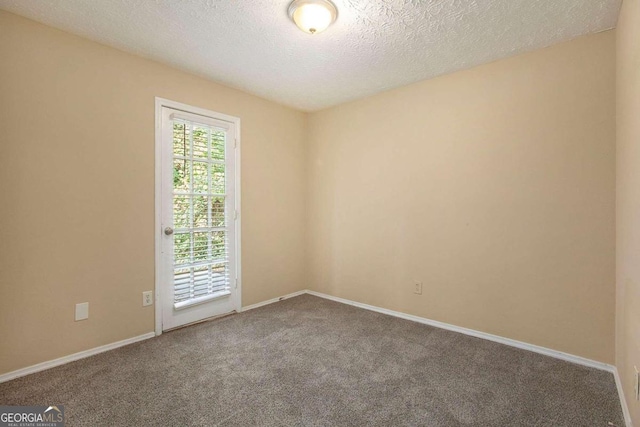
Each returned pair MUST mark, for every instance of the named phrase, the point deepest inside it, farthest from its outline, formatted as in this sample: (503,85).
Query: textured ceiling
(374,45)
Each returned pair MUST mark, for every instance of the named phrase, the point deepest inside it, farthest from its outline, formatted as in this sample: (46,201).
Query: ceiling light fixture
(313,16)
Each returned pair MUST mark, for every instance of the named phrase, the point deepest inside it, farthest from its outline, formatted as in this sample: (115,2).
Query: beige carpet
(307,361)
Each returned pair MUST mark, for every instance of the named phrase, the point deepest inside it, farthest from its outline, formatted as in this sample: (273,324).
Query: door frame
(159,103)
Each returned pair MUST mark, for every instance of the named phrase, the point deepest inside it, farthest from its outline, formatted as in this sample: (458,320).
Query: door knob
(168,231)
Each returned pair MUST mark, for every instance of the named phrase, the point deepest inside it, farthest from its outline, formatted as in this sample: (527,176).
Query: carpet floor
(307,361)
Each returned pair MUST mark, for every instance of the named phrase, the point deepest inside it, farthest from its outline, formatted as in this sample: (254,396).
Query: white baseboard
(81,355)
(478,334)
(623,401)
(272,300)
(72,357)
(506,341)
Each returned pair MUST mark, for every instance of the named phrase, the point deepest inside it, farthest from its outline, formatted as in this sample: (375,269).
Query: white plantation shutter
(201,212)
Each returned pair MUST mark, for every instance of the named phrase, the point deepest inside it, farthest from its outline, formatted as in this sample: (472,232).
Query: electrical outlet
(637,387)
(147,298)
(417,288)
(82,311)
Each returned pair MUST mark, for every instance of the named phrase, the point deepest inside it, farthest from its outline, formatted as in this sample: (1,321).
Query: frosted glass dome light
(313,16)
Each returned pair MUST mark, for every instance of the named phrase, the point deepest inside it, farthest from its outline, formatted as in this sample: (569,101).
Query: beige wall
(493,186)
(628,200)
(77,185)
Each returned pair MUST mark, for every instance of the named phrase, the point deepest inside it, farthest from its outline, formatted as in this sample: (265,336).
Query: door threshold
(208,319)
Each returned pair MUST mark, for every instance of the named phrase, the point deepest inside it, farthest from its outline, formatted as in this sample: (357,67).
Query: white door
(198,258)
